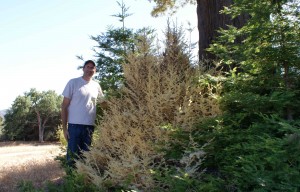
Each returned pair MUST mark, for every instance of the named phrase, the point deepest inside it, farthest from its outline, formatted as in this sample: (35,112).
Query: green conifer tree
(113,47)
(255,144)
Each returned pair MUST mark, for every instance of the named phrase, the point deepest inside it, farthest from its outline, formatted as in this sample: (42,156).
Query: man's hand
(64,116)
(66,134)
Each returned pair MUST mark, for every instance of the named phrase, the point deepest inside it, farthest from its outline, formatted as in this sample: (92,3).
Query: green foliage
(176,49)
(163,6)
(33,116)
(60,136)
(184,157)
(255,143)
(73,182)
(27,186)
(63,147)
(1,128)
(113,47)
(17,118)
(267,46)
(180,172)
(169,179)
(262,156)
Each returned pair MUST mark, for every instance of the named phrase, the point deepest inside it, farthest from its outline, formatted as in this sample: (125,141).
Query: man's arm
(64,116)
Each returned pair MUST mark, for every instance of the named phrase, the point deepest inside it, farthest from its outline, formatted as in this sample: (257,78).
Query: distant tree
(31,114)
(17,120)
(1,120)
(46,106)
(177,51)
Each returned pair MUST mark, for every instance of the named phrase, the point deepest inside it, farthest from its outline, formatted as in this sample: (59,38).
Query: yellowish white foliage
(156,94)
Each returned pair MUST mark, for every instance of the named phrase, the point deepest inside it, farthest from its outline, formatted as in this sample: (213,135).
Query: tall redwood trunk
(210,20)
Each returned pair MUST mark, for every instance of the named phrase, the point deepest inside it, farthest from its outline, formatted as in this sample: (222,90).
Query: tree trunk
(41,127)
(41,133)
(41,138)
(210,20)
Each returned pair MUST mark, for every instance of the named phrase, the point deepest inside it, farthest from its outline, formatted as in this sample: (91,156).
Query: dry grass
(21,161)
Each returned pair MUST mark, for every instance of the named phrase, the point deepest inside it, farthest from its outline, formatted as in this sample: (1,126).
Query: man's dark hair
(89,61)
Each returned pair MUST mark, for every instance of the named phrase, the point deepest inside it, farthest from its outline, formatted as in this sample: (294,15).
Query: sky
(40,39)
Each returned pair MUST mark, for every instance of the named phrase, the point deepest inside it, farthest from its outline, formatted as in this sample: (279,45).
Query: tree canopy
(163,5)
(33,115)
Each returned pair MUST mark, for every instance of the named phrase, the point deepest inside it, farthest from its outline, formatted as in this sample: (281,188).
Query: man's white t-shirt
(83,96)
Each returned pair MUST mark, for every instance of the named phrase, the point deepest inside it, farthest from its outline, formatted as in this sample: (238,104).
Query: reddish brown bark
(210,20)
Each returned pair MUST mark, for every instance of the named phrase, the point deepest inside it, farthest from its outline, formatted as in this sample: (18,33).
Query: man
(79,111)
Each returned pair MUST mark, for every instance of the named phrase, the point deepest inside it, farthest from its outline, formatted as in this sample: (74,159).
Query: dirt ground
(21,161)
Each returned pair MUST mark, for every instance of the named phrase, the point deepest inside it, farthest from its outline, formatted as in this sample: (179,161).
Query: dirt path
(30,162)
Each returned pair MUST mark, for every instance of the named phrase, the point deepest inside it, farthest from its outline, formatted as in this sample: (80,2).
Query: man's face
(89,70)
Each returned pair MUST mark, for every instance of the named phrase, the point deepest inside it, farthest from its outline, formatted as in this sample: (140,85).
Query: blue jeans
(80,139)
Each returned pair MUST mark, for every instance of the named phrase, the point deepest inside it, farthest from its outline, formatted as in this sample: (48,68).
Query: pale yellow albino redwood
(157,93)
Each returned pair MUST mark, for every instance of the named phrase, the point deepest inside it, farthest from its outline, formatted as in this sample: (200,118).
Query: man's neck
(86,78)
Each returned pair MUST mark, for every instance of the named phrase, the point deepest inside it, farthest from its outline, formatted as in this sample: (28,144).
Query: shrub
(160,97)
